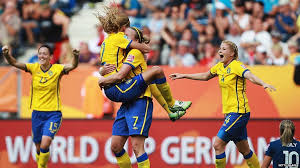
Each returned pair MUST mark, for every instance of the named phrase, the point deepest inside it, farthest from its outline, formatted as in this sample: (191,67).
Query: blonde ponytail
(287,130)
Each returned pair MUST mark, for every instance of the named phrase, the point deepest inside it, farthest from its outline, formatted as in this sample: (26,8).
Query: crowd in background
(182,32)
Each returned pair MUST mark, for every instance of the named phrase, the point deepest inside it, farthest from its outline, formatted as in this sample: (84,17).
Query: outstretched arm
(197,76)
(144,48)
(115,78)
(266,162)
(11,60)
(254,79)
(70,67)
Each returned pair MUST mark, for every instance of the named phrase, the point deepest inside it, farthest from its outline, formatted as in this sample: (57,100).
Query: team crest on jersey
(228,70)
(130,58)
(244,66)
(126,37)
(50,73)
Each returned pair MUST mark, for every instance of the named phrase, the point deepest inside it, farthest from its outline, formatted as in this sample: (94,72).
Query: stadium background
(84,138)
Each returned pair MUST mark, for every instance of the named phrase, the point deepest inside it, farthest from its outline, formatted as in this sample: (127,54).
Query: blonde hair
(287,131)
(113,20)
(233,48)
(139,36)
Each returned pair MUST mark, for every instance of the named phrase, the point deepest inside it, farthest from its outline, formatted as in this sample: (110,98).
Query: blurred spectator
(278,58)
(188,36)
(53,26)
(276,37)
(252,38)
(198,18)
(210,52)
(221,21)
(235,36)
(260,56)
(240,16)
(258,10)
(157,22)
(94,44)
(10,24)
(85,56)
(293,48)
(183,56)
(30,16)
(285,20)
(134,10)
(66,6)
(175,23)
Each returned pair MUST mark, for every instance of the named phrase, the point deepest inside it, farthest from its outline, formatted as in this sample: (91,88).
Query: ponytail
(287,131)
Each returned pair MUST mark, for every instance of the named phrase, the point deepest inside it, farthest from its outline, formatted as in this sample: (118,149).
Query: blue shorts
(234,127)
(45,123)
(134,118)
(127,91)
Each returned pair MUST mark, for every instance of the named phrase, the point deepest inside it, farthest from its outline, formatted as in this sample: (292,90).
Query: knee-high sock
(37,156)
(165,90)
(143,161)
(123,159)
(43,158)
(252,160)
(158,96)
(221,160)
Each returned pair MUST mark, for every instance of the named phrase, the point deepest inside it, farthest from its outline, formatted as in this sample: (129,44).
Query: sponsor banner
(81,96)
(86,143)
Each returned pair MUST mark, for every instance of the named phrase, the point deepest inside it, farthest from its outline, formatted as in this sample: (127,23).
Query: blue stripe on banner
(249,155)
(120,154)
(143,157)
(221,156)
(236,90)
(245,72)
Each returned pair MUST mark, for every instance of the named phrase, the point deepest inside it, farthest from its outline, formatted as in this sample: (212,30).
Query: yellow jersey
(233,86)
(113,50)
(136,60)
(44,94)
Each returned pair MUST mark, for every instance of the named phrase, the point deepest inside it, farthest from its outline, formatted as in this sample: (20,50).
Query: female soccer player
(285,151)
(232,74)
(45,99)
(113,52)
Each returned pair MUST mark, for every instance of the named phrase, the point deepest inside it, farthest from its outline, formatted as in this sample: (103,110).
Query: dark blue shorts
(134,118)
(45,123)
(234,127)
(127,91)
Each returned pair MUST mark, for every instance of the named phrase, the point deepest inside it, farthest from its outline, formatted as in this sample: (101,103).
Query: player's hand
(176,76)
(101,82)
(5,50)
(75,52)
(106,69)
(269,87)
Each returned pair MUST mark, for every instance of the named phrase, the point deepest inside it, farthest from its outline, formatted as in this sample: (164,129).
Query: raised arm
(75,60)
(267,161)
(197,76)
(254,79)
(115,78)
(11,60)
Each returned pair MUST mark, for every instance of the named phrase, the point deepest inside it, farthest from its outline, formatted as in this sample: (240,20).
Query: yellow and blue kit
(45,100)
(234,100)
(135,116)
(113,50)
(284,156)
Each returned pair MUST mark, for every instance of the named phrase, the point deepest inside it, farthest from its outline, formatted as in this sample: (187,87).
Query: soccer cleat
(180,106)
(176,115)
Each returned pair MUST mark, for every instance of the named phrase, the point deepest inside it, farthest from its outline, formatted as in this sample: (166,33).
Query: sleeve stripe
(129,64)
(129,44)
(245,72)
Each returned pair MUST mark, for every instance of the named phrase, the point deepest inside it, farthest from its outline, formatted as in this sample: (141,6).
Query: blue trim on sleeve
(44,150)
(160,81)
(120,154)
(249,155)
(237,96)
(117,59)
(142,158)
(132,66)
(245,72)
(221,156)
(129,44)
